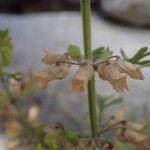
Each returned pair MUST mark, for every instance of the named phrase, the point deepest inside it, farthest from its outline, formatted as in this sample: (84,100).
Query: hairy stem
(85,10)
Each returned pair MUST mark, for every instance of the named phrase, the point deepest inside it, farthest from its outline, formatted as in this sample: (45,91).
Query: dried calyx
(114,70)
(55,71)
(81,78)
(128,132)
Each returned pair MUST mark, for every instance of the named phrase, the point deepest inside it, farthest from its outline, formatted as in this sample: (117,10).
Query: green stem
(85,9)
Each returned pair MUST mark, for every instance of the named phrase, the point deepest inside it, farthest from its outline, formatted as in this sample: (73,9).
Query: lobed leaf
(137,58)
(101,53)
(139,55)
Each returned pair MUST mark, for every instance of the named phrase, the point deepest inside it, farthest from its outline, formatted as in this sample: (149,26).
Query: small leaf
(69,135)
(101,106)
(139,55)
(123,54)
(37,134)
(101,102)
(121,146)
(51,142)
(137,58)
(101,53)
(145,111)
(2,98)
(114,101)
(5,48)
(145,63)
(97,52)
(74,52)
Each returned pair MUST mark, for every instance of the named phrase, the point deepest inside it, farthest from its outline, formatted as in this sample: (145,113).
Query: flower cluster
(114,70)
(55,71)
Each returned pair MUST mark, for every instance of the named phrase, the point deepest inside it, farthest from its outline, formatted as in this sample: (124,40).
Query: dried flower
(81,78)
(116,71)
(138,127)
(54,72)
(54,58)
(51,58)
(101,71)
(133,137)
(116,79)
(128,132)
(116,119)
(130,69)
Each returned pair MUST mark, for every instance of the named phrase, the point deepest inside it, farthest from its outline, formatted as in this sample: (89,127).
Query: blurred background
(23,6)
(135,12)
(54,24)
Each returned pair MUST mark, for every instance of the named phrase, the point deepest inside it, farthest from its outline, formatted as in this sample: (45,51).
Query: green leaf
(101,53)
(101,106)
(51,142)
(37,135)
(101,103)
(114,101)
(5,48)
(139,55)
(121,146)
(2,98)
(74,52)
(123,54)
(147,129)
(145,111)
(104,102)
(70,136)
(144,63)
(137,58)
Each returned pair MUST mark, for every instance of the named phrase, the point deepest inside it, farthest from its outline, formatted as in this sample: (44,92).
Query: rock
(135,12)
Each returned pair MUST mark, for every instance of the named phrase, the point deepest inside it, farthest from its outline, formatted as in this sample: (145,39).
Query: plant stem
(86,10)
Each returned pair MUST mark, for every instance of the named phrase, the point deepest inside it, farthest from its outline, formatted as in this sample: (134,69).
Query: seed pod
(55,72)
(81,78)
(116,79)
(132,70)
